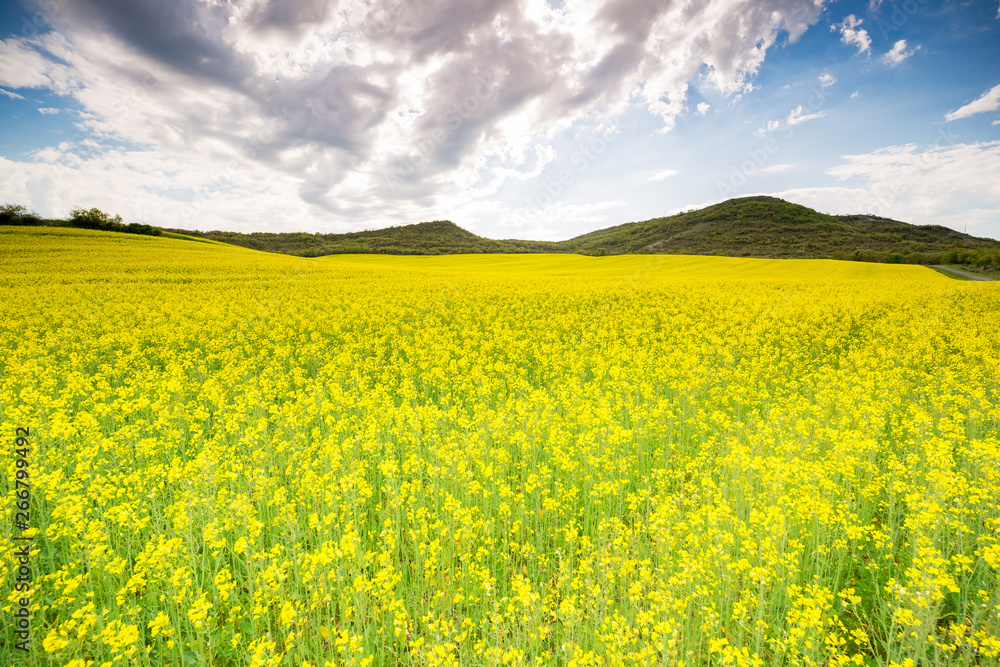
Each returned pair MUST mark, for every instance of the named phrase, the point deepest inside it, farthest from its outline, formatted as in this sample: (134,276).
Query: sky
(528,119)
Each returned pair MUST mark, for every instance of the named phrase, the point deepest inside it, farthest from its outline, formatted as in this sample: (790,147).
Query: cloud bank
(343,113)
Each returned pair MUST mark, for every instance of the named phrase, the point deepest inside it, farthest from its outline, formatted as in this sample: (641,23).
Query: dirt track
(960,272)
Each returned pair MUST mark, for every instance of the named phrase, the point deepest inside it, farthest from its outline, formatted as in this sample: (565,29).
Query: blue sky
(513,118)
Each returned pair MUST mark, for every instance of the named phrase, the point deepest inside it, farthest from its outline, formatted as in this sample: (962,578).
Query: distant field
(643,267)
(240,458)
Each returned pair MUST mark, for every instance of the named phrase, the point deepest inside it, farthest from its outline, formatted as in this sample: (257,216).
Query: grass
(952,275)
(985,273)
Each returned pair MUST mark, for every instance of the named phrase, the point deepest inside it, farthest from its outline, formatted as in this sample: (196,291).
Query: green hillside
(771,227)
(440,237)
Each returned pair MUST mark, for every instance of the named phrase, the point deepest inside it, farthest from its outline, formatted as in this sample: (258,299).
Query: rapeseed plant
(254,459)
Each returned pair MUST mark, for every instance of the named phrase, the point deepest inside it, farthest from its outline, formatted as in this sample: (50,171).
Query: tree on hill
(95,218)
(15,214)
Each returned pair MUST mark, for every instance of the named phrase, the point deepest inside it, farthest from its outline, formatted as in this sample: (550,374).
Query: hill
(772,227)
(746,227)
(440,237)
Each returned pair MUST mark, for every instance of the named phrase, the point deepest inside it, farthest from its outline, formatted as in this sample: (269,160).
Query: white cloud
(11,94)
(944,185)
(59,179)
(769,126)
(826,79)
(985,103)
(796,116)
(25,64)
(661,175)
(380,110)
(776,168)
(558,221)
(703,108)
(852,34)
(898,53)
(799,116)
(48,110)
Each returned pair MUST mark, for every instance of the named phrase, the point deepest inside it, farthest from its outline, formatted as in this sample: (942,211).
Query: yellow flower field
(239,458)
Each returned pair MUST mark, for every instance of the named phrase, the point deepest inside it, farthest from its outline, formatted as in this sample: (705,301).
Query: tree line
(82,218)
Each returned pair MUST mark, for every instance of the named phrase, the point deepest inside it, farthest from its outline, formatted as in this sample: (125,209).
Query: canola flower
(253,459)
